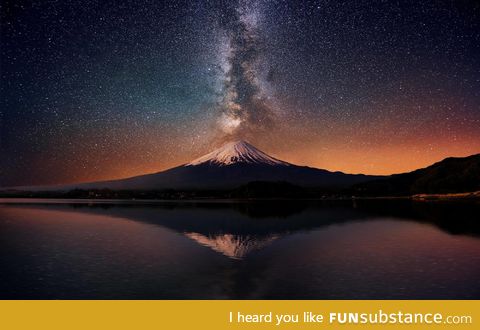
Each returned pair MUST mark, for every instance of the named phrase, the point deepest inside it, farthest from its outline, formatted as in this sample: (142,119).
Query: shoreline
(467,196)
(475,195)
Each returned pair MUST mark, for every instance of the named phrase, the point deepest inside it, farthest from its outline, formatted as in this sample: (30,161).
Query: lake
(66,249)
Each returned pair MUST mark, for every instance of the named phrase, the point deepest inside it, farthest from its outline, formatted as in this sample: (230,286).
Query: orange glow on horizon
(349,159)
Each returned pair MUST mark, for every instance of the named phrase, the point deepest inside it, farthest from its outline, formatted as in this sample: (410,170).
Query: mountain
(231,166)
(233,246)
(237,152)
(451,175)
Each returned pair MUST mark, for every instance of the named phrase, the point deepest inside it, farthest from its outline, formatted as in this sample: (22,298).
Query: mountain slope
(233,165)
(451,175)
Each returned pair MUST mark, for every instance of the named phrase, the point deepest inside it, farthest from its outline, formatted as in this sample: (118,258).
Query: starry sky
(94,90)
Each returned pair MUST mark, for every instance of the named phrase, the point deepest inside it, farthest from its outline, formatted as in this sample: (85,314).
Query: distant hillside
(451,175)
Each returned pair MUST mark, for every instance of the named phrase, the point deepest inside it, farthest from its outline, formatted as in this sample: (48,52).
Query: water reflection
(233,246)
(270,249)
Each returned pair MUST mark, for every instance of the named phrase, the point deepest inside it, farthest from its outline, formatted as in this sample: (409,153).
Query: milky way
(244,107)
(94,90)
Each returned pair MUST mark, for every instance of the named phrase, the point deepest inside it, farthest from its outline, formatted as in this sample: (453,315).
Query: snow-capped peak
(233,246)
(236,152)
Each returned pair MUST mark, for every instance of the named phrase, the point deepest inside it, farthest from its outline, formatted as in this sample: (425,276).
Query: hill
(451,175)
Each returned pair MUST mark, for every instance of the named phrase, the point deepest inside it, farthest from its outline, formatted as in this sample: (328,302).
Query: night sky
(94,90)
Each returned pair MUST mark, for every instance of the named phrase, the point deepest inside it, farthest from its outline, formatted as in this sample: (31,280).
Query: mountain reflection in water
(268,249)
(233,246)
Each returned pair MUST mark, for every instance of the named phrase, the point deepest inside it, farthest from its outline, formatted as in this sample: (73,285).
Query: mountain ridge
(230,166)
(244,171)
(450,175)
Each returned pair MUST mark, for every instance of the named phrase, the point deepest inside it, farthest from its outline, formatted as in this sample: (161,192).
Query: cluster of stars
(101,90)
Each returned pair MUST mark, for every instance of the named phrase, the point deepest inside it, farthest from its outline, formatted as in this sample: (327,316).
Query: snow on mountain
(236,152)
(233,246)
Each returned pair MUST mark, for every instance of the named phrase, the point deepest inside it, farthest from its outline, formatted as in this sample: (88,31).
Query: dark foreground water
(239,250)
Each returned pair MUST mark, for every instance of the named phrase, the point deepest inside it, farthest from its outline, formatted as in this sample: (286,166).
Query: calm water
(225,250)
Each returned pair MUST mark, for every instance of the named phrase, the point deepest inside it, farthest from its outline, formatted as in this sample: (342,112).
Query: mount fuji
(232,165)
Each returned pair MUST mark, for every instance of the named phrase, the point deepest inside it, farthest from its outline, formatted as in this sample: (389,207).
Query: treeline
(113,194)
(257,189)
